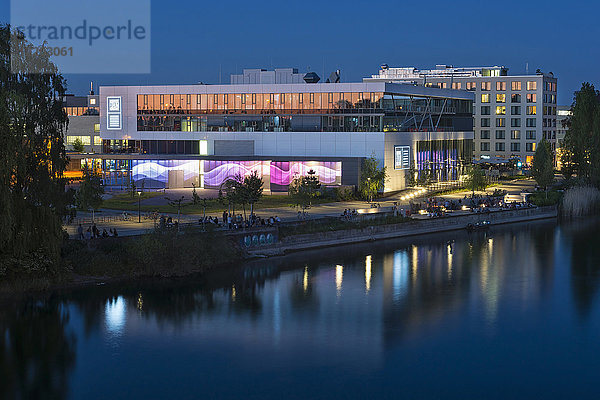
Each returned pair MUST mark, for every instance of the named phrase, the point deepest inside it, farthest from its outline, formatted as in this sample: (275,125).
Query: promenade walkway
(107,219)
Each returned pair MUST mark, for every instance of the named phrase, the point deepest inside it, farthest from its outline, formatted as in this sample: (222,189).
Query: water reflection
(352,309)
(37,351)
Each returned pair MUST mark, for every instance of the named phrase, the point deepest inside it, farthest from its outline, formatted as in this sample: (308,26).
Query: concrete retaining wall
(416,227)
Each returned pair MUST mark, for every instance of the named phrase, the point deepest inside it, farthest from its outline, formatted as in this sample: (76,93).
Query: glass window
(485,134)
(500,146)
(471,85)
(456,85)
(515,110)
(485,122)
(531,97)
(500,134)
(530,135)
(485,146)
(486,86)
(500,122)
(531,110)
(515,85)
(515,122)
(530,123)
(485,110)
(485,98)
(530,147)
(500,110)
(515,134)
(515,147)
(531,85)
(500,86)
(515,98)
(500,98)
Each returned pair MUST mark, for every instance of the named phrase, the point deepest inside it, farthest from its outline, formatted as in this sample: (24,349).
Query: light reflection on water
(481,309)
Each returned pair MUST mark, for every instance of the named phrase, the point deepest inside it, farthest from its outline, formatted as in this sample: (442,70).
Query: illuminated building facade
(512,113)
(176,136)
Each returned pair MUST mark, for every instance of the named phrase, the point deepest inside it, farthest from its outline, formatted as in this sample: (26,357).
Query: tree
(195,198)
(89,195)
(32,154)
(543,165)
(178,202)
(304,189)
(581,146)
(78,145)
(372,178)
(253,189)
(411,174)
(235,192)
(475,179)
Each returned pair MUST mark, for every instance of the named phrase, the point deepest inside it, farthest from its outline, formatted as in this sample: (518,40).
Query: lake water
(509,313)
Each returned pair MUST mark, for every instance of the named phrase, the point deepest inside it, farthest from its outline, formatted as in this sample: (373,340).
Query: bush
(160,253)
(541,200)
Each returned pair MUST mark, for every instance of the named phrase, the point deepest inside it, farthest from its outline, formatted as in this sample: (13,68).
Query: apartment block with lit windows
(511,113)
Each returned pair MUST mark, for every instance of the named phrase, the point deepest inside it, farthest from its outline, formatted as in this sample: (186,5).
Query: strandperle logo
(85,36)
(85,31)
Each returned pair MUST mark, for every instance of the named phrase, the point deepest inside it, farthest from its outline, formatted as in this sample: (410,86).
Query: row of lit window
(501,122)
(255,100)
(514,134)
(515,98)
(500,85)
(85,140)
(515,110)
(500,146)
(78,111)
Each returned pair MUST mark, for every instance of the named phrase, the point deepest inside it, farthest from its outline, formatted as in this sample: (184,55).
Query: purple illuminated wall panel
(283,172)
(155,173)
(217,172)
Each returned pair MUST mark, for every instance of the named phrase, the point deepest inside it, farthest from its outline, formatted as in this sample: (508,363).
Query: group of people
(92,232)
(232,221)
(349,214)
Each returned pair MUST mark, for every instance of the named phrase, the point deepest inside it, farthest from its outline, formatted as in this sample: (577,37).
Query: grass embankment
(125,202)
(334,224)
(161,253)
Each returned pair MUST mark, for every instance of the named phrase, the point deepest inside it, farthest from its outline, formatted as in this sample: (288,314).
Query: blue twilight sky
(196,41)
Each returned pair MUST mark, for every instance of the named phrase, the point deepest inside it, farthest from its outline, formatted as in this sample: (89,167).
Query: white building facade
(179,136)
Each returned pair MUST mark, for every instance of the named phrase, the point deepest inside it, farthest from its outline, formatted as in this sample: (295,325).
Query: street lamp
(139,207)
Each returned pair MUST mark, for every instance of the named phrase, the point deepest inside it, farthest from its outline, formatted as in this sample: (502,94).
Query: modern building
(179,136)
(512,113)
(84,122)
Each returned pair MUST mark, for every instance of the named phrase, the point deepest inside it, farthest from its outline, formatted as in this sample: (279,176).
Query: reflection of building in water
(423,285)
(356,306)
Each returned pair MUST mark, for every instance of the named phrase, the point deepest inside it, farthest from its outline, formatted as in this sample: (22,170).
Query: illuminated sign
(401,157)
(114,115)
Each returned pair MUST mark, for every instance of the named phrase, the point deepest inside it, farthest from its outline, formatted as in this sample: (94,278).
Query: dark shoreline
(73,280)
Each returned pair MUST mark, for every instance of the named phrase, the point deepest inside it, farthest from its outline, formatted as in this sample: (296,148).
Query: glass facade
(301,112)
(443,160)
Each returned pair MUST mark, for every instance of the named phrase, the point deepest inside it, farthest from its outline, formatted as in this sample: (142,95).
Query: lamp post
(139,207)
(370,191)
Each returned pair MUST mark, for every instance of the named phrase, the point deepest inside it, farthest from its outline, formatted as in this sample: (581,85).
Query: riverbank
(171,254)
(389,231)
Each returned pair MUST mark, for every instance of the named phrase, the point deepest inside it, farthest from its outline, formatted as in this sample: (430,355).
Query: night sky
(196,41)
